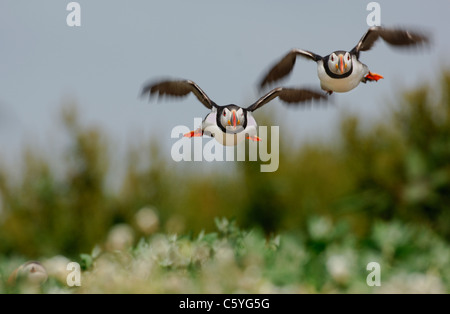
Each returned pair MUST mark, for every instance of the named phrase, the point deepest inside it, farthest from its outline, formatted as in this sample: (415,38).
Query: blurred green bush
(396,171)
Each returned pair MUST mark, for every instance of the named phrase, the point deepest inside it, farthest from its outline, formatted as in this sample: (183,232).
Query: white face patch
(225,117)
(240,117)
(347,62)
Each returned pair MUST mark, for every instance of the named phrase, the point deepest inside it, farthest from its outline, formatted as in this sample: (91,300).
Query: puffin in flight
(229,124)
(341,71)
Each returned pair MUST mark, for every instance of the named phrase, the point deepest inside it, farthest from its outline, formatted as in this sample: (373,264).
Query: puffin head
(340,62)
(232,118)
(31,272)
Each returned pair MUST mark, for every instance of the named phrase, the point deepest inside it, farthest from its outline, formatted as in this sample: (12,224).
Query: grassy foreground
(327,259)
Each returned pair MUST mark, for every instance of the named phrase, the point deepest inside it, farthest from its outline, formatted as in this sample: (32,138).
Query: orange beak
(234,118)
(341,63)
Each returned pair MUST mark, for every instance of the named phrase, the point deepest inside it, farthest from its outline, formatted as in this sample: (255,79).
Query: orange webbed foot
(254,138)
(373,77)
(195,133)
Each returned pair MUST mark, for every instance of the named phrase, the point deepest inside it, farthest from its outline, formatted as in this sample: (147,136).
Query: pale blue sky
(224,46)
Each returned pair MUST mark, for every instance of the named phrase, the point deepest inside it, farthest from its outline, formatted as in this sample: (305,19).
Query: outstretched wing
(288,95)
(393,36)
(285,66)
(178,89)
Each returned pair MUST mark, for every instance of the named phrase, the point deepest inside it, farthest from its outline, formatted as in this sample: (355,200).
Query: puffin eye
(332,58)
(224,113)
(348,57)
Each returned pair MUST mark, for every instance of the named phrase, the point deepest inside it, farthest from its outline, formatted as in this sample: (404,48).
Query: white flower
(120,237)
(147,220)
(57,267)
(320,228)
(414,283)
(338,267)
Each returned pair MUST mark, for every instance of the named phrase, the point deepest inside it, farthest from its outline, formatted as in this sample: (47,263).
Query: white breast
(342,85)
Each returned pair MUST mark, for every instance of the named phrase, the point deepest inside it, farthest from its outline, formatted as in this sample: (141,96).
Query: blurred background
(81,151)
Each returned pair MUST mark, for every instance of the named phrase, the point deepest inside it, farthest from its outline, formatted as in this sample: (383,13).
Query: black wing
(393,36)
(285,66)
(179,89)
(288,95)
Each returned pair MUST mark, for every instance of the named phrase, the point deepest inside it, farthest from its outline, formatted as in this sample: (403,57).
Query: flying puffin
(341,71)
(229,124)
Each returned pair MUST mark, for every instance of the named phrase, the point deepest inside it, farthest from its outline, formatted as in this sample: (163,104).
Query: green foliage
(378,194)
(44,214)
(326,259)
